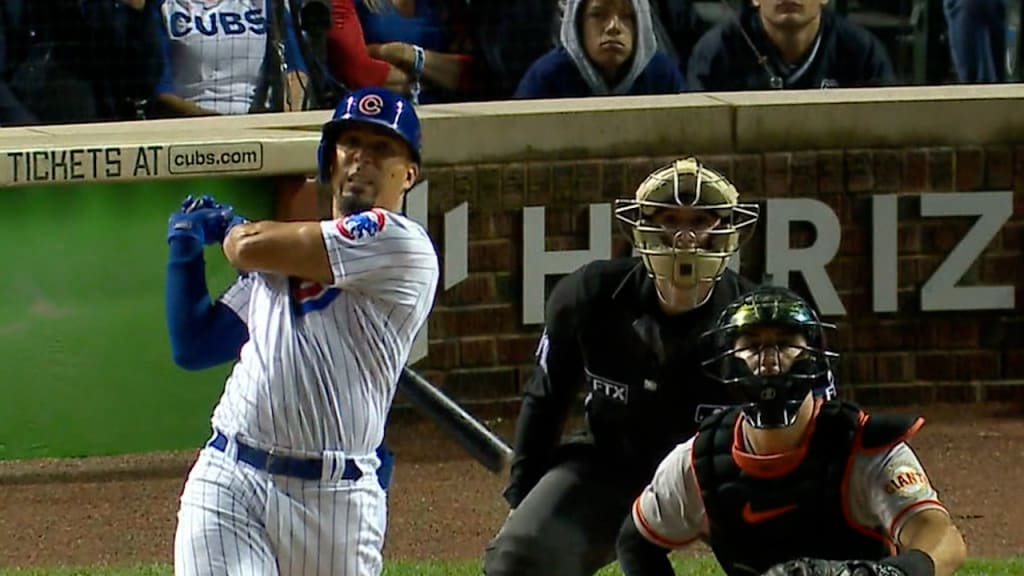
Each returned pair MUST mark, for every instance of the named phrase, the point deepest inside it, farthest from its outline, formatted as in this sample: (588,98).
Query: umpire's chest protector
(758,518)
(645,388)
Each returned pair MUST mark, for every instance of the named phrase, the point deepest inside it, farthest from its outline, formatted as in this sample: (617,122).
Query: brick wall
(479,350)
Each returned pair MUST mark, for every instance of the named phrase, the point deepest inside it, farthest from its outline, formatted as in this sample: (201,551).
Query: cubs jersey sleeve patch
(363,225)
(382,253)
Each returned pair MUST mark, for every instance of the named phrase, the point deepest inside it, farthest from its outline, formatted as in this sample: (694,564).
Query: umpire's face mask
(685,222)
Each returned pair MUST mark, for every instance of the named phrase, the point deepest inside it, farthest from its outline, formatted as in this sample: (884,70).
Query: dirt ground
(443,505)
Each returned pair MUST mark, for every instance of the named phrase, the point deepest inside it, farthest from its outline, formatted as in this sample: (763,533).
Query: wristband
(419,59)
(913,562)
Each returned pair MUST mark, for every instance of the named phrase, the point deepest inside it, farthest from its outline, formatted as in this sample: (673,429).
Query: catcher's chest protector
(756,522)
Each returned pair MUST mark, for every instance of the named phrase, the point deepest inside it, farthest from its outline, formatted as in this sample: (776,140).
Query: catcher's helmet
(687,257)
(771,396)
(378,106)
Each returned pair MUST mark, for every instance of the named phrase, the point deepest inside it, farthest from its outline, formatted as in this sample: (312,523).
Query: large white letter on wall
(940,292)
(416,203)
(781,259)
(884,246)
(456,248)
(538,263)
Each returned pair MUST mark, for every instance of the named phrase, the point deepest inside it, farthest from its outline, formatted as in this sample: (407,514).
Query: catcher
(786,484)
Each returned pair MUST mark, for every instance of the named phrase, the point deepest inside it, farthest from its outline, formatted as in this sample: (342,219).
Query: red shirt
(347,56)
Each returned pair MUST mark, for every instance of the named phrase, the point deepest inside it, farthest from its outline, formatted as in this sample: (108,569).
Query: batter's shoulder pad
(882,431)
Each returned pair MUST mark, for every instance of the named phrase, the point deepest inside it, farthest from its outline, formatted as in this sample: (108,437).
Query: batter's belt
(305,468)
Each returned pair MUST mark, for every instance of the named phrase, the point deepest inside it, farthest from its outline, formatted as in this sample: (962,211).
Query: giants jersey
(322,363)
(885,489)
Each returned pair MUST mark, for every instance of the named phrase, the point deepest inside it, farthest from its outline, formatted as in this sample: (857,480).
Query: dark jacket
(844,55)
(555,75)
(606,334)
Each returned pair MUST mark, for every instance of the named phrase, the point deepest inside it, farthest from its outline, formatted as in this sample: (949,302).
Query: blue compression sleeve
(202,334)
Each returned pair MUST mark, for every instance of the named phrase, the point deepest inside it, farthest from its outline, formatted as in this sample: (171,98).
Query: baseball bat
(482,444)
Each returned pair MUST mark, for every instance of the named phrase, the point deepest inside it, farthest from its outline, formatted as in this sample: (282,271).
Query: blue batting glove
(207,225)
(191,203)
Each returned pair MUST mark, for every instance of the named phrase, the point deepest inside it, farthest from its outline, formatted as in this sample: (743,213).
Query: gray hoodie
(644,46)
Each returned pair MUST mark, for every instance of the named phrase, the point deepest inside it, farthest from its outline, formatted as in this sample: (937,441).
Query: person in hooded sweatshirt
(787,44)
(608,48)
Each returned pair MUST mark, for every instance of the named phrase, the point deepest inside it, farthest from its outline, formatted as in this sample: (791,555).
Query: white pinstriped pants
(236,520)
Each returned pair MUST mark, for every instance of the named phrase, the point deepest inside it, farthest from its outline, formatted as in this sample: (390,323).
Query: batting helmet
(676,254)
(771,398)
(377,106)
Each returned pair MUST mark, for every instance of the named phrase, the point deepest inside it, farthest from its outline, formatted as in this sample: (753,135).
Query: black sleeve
(556,381)
(913,562)
(638,556)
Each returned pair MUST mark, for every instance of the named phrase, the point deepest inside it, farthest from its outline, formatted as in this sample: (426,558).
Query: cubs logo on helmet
(371,104)
(362,225)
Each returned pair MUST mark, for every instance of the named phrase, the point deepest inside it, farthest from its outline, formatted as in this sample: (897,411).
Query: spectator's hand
(139,5)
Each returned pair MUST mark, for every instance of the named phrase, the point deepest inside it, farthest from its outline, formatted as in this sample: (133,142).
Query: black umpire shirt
(843,55)
(641,369)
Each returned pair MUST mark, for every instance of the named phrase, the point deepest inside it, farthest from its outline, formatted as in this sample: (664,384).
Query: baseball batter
(288,482)
(785,483)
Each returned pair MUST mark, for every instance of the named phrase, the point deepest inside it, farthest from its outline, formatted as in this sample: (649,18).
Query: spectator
(677,27)
(65,61)
(977,39)
(348,58)
(510,36)
(428,40)
(787,44)
(608,48)
(218,58)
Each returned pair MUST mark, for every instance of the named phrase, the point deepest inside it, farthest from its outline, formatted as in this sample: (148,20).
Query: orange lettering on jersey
(906,480)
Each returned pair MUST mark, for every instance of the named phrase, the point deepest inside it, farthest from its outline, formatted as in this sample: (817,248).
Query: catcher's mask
(770,348)
(686,222)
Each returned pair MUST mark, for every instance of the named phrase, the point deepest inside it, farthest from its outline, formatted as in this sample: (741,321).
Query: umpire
(626,329)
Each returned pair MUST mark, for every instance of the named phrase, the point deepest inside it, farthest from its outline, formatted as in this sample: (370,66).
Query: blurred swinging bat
(482,444)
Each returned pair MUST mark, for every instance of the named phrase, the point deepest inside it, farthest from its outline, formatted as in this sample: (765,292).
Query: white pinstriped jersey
(885,489)
(322,363)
